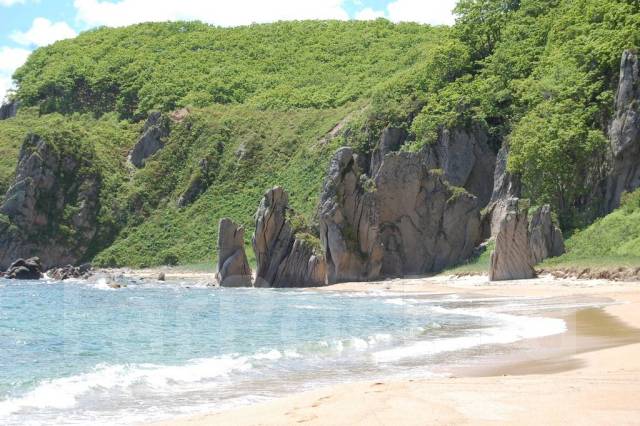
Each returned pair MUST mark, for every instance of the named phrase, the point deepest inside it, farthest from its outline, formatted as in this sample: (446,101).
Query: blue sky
(28,24)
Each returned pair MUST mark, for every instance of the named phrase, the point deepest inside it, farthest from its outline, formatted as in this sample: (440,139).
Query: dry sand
(588,376)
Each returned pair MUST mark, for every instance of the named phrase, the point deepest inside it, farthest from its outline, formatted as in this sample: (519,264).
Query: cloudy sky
(28,24)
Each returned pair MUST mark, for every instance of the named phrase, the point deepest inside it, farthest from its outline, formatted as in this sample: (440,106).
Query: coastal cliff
(398,154)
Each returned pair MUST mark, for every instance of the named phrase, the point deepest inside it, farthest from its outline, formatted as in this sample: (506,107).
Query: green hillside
(262,99)
(611,240)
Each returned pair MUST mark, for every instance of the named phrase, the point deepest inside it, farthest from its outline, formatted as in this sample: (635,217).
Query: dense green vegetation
(166,66)
(611,240)
(253,151)
(539,75)
(545,86)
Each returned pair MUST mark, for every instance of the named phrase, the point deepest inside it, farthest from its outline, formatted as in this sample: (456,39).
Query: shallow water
(80,352)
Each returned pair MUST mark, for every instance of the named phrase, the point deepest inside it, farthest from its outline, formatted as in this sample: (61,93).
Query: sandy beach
(588,375)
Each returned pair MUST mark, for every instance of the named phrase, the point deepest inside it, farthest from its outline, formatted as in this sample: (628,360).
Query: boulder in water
(21,269)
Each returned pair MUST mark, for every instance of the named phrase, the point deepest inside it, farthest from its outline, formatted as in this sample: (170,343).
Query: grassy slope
(261,98)
(611,241)
(279,148)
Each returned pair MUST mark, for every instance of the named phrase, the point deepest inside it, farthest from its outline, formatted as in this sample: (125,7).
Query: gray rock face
(282,259)
(545,238)
(197,186)
(348,222)
(9,110)
(505,187)
(466,160)
(624,133)
(233,266)
(70,271)
(425,225)
(46,184)
(155,130)
(406,220)
(512,258)
(390,141)
(30,269)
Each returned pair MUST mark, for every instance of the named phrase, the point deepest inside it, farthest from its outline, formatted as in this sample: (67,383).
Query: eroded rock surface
(21,269)
(70,271)
(466,160)
(348,221)
(282,259)
(545,237)
(512,258)
(505,186)
(49,185)
(9,110)
(624,133)
(405,220)
(233,266)
(155,130)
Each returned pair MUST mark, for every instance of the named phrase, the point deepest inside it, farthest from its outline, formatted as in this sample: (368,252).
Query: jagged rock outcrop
(545,237)
(512,258)
(155,130)
(406,220)
(198,183)
(425,225)
(466,160)
(21,269)
(49,184)
(348,222)
(233,266)
(70,271)
(624,133)
(391,140)
(282,259)
(9,110)
(505,186)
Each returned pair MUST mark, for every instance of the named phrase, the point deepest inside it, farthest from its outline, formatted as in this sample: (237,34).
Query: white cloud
(10,59)
(43,32)
(434,12)
(11,2)
(218,12)
(368,14)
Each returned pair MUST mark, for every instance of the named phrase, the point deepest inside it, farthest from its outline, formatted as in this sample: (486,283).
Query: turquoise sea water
(82,353)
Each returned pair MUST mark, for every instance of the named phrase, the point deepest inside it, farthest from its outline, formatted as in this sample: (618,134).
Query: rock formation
(466,160)
(70,271)
(505,187)
(30,269)
(282,259)
(624,133)
(512,258)
(405,220)
(199,182)
(545,237)
(36,207)
(390,141)
(155,130)
(233,266)
(9,110)
(348,222)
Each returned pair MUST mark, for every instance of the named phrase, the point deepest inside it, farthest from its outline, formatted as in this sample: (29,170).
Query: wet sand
(588,375)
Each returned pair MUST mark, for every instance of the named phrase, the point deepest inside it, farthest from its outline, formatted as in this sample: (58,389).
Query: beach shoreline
(588,375)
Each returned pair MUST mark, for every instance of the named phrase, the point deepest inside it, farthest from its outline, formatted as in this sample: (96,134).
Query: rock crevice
(282,259)
(233,266)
